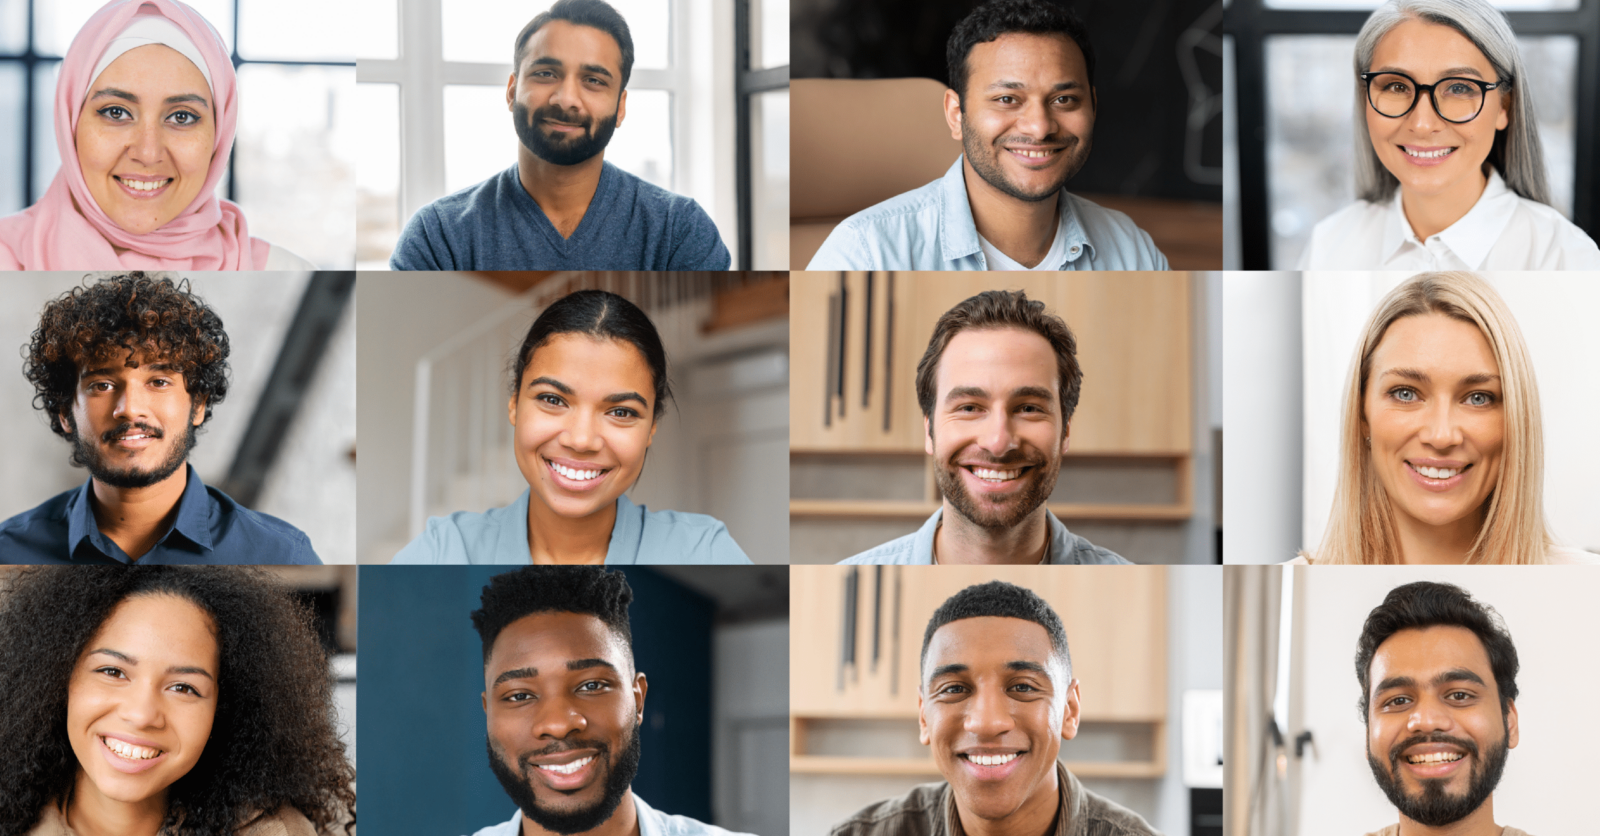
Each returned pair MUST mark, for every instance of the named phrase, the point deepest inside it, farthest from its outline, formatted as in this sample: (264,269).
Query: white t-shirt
(1052,260)
(1501,232)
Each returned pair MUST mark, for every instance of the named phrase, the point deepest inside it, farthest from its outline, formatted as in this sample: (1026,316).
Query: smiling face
(583,422)
(995,705)
(1028,120)
(142,700)
(563,705)
(1436,737)
(132,426)
(1429,156)
(566,98)
(1434,411)
(145,137)
(996,434)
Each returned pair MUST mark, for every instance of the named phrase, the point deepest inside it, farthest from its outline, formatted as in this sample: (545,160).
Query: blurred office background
(1158,130)
(1296,747)
(436,349)
(282,442)
(1290,341)
(708,111)
(1146,646)
(712,641)
(1291,117)
(293,166)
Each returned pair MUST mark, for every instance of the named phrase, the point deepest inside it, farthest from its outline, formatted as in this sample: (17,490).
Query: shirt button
(1074,250)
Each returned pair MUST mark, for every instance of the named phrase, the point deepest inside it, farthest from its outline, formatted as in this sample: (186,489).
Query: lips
(1432,758)
(576,475)
(142,188)
(1437,476)
(132,436)
(990,765)
(128,756)
(1427,155)
(567,770)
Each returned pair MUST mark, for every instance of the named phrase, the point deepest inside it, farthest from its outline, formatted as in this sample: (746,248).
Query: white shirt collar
(1468,240)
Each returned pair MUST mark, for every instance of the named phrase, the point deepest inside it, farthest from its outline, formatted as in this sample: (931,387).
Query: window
(763,31)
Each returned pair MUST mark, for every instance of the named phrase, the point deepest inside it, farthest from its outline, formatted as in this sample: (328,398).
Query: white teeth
(1428,155)
(1437,472)
(145,185)
(1035,154)
(1436,757)
(130,751)
(992,760)
(568,768)
(989,475)
(576,475)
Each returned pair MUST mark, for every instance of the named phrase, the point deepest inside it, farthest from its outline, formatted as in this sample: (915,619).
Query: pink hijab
(66,230)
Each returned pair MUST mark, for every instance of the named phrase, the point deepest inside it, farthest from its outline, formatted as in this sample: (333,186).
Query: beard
(1039,481)
(1433,806)
(87,454)
(519,785)
(984,155)
(595,137)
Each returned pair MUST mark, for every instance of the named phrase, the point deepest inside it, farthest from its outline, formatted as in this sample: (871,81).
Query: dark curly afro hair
(154,319)
(273,743)
(588,590)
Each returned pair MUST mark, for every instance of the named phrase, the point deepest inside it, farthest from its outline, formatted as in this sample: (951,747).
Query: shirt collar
(922,543)
(1068,792)
(193,521)
(958,232)
(1469,238)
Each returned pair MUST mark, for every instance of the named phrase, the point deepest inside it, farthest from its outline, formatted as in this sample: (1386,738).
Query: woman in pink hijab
(146,108)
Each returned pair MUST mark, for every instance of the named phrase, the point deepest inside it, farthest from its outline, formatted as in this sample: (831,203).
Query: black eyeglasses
(1454,99)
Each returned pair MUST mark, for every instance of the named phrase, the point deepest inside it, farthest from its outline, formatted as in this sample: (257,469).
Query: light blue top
(500,535)
(916,549)
(652,822)
(931,228)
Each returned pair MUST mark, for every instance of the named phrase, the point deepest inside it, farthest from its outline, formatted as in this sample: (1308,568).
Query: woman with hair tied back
(170,700)
(589,385)
(1442,447)
(1449,169)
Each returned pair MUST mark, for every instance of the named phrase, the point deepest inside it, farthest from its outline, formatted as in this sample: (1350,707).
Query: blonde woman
(1442,448)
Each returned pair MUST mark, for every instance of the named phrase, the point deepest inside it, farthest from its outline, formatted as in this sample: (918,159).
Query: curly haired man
(128,369)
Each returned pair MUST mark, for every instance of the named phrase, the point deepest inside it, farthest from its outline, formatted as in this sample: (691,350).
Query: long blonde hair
(1361,525)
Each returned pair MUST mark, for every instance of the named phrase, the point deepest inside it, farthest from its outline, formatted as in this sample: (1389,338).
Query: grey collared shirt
(931,228)
(916,549)
(930,810)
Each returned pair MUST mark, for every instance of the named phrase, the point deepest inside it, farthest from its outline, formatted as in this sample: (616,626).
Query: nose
(1442,429)
(1428,715)
(580,434)
(145,145)
(565,96)
(140,707)
(1423,117)
(1034,120)
(997,437)
(558,717)
(988,714)
(132,403)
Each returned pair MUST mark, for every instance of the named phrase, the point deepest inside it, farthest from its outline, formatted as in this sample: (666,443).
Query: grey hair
(1517,153)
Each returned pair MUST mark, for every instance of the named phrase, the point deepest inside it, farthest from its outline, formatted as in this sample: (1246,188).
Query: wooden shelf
(904,509)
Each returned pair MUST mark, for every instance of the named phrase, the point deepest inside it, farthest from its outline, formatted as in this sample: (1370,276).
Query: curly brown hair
(150,318)
(273,744)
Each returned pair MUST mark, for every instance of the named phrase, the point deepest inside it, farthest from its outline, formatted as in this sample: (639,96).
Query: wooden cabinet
(1115,618)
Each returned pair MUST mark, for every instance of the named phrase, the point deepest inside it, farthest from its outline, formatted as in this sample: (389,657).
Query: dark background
(1145,103)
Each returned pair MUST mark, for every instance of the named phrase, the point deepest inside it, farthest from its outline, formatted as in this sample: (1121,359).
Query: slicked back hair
(586,590)
(1002,17)
(1428,604)
(1003,600)
(596,14)
(993,309)
(603,315)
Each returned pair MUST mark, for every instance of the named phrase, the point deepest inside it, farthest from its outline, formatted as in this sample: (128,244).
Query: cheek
(193,152)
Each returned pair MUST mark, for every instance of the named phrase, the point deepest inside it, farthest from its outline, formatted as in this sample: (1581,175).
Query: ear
(640,688)
(622,107)
(927,437)
(1511,724)
(483,697)
(654,425)
(511,410)
(952,113)
(197,411)
(64,420)
(511,90)
(1504,119)
(1066,437)
(922,722)
(1069,720)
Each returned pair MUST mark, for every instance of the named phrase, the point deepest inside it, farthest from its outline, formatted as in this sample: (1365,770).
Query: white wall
(1555,312)
(750,789)
(1549,775)
(1261,414)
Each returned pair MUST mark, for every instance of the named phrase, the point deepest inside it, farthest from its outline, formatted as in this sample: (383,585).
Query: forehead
(999,360)
(574,45)
(988,643)
(548,640)
(579,358)
(1422,46)
(122,362)
(153,66)
(159,627)
(1422,653)
(1441,345)
(1025,56)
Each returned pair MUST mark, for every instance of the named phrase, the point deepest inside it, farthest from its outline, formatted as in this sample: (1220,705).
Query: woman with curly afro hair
(180,701)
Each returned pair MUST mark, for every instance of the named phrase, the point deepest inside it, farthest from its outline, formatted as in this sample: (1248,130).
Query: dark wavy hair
(596,14)
(600,314)
(1002,17)
(998,598)
(587,590)
(1428,604)
(273,743)
(153,318)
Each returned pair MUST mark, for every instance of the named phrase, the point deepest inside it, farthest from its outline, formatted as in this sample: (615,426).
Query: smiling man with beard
(1022,102)
(128,369)
(564,705)
(997,387)
(562,207)
(1438,675)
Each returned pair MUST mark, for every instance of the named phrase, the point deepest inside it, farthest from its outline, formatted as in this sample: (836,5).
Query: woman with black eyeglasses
(1449,168)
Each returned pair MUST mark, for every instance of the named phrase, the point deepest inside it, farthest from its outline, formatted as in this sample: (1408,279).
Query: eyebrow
(1455,675)
(1453,71)
(960,392)
(552,383)
(574,665)
(550,61)
(112,370)
(1008,84)
(567,390)
(1016,665)
(117,654)
(114,93)
(1421,376)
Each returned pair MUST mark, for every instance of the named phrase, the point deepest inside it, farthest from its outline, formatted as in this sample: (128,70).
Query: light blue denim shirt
(652,822)
(500,535)
(916,548)
(931,228)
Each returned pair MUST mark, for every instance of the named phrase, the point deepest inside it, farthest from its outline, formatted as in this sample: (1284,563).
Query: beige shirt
(1394,830)
(288,822)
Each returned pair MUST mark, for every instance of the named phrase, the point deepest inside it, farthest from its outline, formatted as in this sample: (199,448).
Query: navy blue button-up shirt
(211,529)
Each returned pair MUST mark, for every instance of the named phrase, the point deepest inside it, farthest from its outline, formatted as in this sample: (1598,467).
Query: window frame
(750,83)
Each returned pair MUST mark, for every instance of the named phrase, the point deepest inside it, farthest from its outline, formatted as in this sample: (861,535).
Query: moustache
(602,751)
(123,429)
(556,114)
(1395,752)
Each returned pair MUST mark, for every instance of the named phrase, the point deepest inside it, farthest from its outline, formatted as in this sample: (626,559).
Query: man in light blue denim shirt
(1022,102)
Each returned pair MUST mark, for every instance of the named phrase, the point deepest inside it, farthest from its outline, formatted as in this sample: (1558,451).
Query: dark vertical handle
(888,350)
(844,335)
(832,362)
(866,349)
(852,597)
(877,614)
(894,637)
